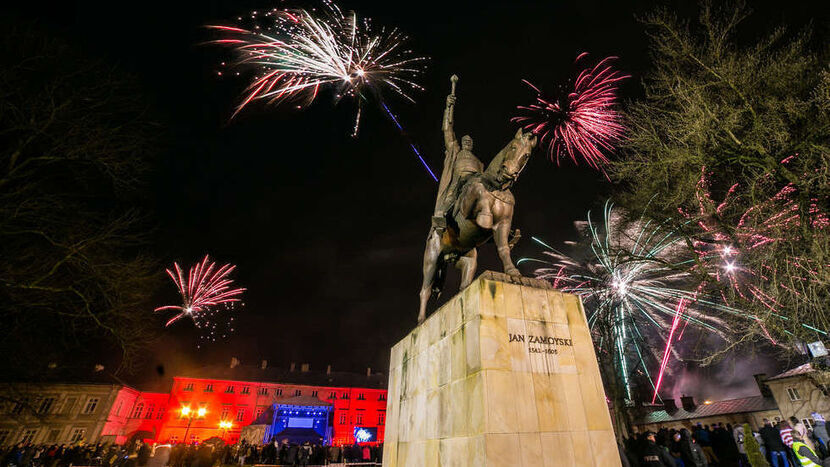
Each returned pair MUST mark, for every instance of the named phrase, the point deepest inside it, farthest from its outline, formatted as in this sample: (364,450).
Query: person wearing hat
(655,455)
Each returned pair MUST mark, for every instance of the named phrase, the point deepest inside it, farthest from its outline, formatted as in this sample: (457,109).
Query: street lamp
(186,412)
(225,425)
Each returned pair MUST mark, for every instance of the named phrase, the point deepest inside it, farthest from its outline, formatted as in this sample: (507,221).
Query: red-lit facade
(237,402)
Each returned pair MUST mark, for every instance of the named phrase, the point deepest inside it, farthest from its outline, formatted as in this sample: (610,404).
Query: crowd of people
(275,453)
(140,454)
(784,443)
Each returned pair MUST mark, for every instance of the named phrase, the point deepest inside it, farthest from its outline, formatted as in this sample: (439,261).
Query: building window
(150,409)
(259,411)
(118,408)
(160,413)
(91,405)
(209,387)
(332,395)
(139,409)
(226,410)
(27,436)
(68,405)
(53,436)
(174,439)
(46,405)
(359,419)
(345,395)
(188,387)
(381,418)
(342,418)
(361,397)
(77,435)
(245,390)
(793,394)
(382,396)
(194,439)
(313,393)
(298,392)
(263,391)
(229,390)
(278,391)
(807,423)
(240,415)
(4,436)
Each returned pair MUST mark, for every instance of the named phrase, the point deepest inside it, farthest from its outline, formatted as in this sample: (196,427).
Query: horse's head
(510,162)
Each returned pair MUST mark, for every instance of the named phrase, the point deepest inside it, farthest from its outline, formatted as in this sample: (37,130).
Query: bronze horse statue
(477,206)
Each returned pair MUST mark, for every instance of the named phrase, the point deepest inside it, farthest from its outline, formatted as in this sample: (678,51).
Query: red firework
(204,287)
(583,122)
(720,247)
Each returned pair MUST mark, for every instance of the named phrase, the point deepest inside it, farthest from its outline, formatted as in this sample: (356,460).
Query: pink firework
(204,287)
(583,122)
(721,246)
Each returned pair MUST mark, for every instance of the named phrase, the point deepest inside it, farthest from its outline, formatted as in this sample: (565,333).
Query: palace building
(232,403)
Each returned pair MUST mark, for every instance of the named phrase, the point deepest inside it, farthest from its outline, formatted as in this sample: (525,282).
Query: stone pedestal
(504,374)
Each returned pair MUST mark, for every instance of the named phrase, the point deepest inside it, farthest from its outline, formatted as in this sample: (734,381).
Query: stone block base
(504,374)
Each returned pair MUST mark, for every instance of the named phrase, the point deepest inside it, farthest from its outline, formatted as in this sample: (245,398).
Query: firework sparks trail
(296,53)
(634,278)
(582,122)
(719,248)
(677,314)
(204,290)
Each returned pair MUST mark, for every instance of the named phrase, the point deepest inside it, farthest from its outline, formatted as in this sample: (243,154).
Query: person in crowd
(820,428)
(786,433)
(739,435)
(805,456)
(761,446)
(655,455)
(799,428)
(704,439)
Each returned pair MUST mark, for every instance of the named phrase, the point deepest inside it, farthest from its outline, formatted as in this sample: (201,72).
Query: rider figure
(459,164)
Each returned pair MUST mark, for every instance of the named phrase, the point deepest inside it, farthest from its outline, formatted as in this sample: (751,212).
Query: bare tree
(74,149)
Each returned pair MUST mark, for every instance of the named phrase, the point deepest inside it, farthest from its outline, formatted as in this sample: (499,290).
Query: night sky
(328,231)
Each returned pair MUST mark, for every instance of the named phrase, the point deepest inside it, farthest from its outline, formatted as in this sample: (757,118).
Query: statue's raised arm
(450,153)
(449,131)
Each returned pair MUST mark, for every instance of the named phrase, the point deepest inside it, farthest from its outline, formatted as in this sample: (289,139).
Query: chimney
(304,368)
(264,364)
(328,370)
(762,386)
(688,403)
(368,372)
(293,365)
(234,362)
(669,405)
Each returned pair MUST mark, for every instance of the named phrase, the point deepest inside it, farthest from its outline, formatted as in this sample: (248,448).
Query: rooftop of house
(731,406)
(797,371)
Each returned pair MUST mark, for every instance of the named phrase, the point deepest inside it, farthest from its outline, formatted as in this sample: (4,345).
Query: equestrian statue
(473,206)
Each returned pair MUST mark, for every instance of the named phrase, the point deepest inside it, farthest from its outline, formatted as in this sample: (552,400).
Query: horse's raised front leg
(431,252)
(501,234)
(467,265)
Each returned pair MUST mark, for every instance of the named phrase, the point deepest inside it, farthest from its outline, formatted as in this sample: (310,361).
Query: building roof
(732,406)
(302,401)
(797,371)
(256,374)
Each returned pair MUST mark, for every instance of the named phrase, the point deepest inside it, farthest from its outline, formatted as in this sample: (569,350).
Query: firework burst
(733,254)
(296,53)
(581,122)
(204,290)
(634,282)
